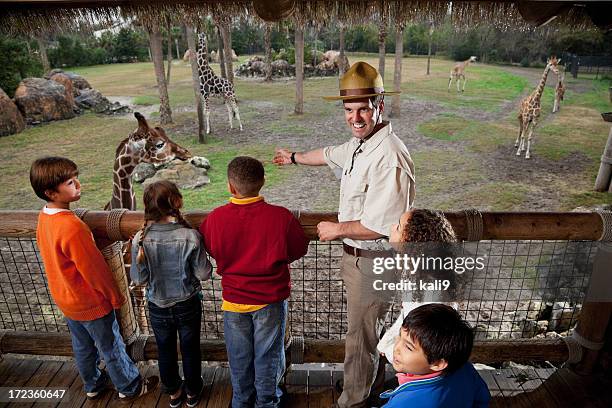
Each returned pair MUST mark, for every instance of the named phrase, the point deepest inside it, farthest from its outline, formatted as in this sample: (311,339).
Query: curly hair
(428,226)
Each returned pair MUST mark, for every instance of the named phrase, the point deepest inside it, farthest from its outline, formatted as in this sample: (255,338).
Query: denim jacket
(175,263)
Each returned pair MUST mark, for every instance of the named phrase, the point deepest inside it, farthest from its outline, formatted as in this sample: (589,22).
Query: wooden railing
(592,324)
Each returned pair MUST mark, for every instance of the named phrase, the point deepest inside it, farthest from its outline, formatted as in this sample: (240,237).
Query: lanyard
(355,153)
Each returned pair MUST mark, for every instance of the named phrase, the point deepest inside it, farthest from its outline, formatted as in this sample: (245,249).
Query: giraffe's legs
(229,113)
(556,105)
(533,126)
(518,137)
(524,129)
(458,81)
(206,109)
(236,112)
(464,81)
(450,80)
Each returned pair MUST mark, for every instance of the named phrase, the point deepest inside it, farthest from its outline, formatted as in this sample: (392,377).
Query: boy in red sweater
(253,243)
(81,284)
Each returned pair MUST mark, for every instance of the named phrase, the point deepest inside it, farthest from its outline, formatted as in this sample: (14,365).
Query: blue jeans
(184,318)
(100,338)
(256,353)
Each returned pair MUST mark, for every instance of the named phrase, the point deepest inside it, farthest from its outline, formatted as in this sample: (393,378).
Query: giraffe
(210,84)
(458,72)
(149,145)
(559,91)
(530,109)
(145,144)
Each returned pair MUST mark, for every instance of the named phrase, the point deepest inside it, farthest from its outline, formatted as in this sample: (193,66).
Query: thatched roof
(43,16)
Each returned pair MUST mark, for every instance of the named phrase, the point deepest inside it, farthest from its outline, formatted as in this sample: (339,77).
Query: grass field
(462,144)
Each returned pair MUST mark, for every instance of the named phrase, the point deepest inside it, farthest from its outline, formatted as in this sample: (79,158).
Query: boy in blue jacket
(431,358)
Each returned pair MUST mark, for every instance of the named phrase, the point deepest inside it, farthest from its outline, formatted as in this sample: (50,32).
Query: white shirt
(379,188)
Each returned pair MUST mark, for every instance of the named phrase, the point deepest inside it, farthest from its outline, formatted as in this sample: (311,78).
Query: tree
(299,70)
(382,35)
(343,68)
(42,49)
(169,53)
(221,54)
(16,63)
(196,83)
(268,47)
(226,34)
(397,73)
(157,54)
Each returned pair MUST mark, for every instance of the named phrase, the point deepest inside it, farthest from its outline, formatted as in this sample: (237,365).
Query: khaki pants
(367,309)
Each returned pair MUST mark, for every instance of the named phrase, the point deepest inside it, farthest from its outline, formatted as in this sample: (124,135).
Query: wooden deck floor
(313,388)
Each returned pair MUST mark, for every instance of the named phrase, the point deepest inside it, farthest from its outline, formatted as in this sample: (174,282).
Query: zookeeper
(376,188)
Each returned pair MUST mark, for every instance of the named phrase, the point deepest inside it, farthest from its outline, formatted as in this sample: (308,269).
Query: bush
(16,64)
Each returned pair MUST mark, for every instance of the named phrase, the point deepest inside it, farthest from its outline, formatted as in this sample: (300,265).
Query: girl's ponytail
(140,258)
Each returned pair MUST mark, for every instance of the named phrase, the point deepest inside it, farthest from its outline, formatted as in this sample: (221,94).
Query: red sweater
(79,279)
(253,245)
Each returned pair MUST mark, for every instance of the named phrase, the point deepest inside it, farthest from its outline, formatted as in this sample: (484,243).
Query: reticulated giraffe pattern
(145,144)
(458,73)
(530,110)
(210,84)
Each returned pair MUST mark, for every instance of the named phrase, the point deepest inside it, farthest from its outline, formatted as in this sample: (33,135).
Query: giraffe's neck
(204,68)
(540,89)
(123,193)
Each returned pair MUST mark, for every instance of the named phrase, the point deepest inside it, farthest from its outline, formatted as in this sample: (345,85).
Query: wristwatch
(293,158)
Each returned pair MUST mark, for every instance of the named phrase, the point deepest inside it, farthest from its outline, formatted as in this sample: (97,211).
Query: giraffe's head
(154,145)
(552,64)
(473,58)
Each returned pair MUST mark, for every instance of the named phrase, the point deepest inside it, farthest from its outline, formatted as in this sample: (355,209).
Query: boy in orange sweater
(81,284)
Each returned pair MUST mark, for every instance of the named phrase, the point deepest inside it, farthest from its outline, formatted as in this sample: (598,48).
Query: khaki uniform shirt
(379,188)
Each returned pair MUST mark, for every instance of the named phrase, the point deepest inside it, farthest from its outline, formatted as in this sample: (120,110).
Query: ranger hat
(361,81)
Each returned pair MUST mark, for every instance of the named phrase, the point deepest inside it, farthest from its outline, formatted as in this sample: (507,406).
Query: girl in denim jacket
(168,256)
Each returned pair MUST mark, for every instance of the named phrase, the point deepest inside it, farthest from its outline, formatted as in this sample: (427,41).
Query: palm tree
(196,83)
(397,73)
(382,36)
(268,47)
(299,70)
(157,55)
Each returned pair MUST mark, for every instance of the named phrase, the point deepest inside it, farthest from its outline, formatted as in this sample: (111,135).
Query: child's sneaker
(193,400)
(101,389)
(178,401)
(148,384)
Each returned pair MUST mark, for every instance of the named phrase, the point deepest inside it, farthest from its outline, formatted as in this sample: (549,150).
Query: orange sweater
(79,279)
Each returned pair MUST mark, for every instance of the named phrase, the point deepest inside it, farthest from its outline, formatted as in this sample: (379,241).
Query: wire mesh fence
(526,289)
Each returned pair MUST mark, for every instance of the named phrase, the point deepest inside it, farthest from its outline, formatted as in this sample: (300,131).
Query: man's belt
(366,253)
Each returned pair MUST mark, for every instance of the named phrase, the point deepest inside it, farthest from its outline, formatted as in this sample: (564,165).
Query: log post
(397,73)
(596,311)
(605,168)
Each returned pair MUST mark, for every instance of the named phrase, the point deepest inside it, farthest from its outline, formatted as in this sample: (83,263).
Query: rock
(542,326)
(512,364)
(64,79)
(94,100)
(563,314)
(11,121)
(184,174)
(42,100)
(200,161)
(527,327)
(143,171)
(481,331)
(479,366)
(78,82)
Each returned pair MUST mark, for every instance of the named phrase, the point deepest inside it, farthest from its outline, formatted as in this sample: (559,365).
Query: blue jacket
(461,389)
(175,263)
